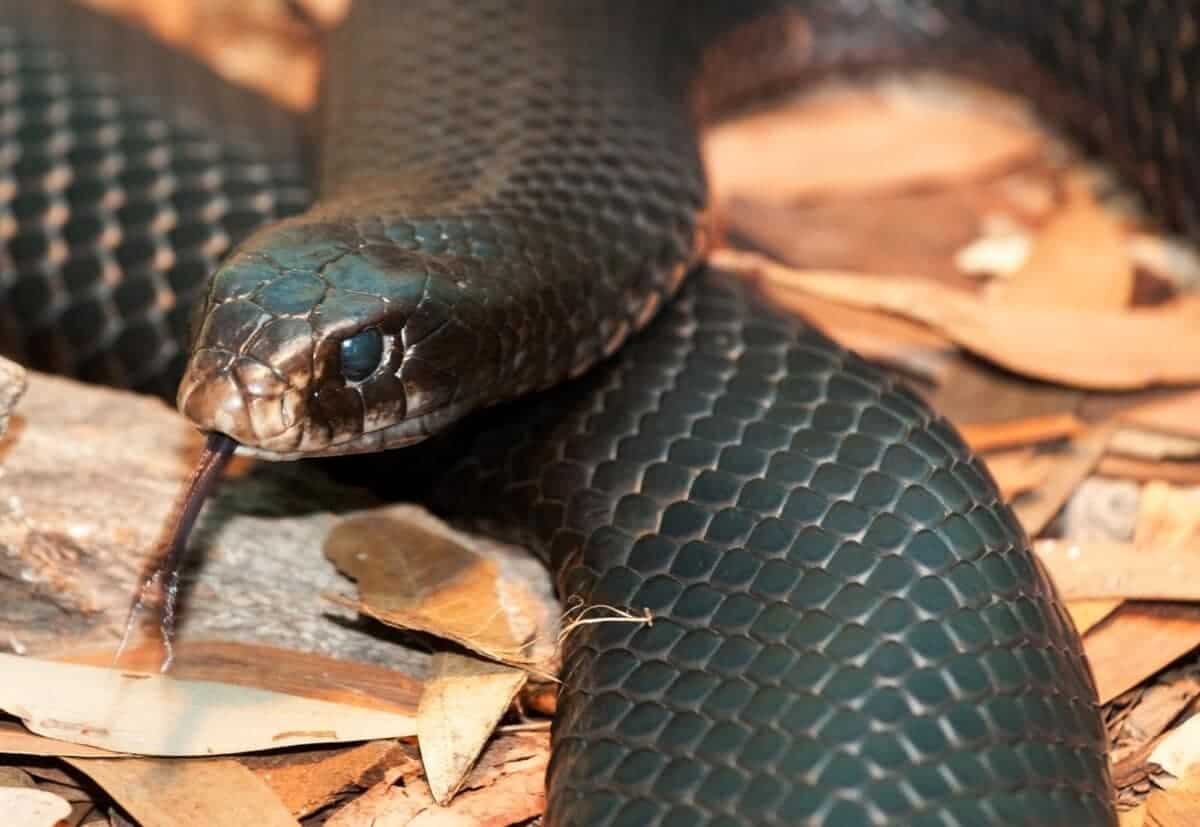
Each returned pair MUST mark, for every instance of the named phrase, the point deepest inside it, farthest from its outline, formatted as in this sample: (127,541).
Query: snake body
(849,627)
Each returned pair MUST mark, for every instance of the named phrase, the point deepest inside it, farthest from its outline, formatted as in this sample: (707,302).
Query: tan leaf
(463,702)
(1132,818)
(1080,259)
(149,714)
(1162,470)
(1168,520)
(848,142)
(1018,470)
(32,807)
(415,572)
(187,793)
(507,786)
(1103,350)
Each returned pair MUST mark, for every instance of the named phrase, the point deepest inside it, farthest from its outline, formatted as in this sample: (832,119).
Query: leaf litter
(1024,288)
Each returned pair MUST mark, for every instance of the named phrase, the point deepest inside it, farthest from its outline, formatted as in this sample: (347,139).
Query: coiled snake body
(850,629)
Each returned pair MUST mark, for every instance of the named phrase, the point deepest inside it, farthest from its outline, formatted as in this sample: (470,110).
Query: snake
(486,247)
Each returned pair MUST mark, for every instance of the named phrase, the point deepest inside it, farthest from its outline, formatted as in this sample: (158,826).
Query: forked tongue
(161,573)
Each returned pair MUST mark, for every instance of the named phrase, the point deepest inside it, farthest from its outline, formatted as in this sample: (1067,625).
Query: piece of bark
(1137,641)
(187,793)
(84,498)
(506,787)
(309,780)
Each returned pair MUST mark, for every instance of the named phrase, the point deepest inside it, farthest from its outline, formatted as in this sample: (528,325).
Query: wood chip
(462,704)
(187,793)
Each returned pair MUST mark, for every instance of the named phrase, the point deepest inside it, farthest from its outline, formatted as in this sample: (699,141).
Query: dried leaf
(149,714)
(463,702)
(849,141)
(1132,818)
(507,786)
(1103,350)
(1080,259)
(32,807)
(1169,519)
(1131,468)
(187,793)
(1137,641)
(415,572)
(1178,806)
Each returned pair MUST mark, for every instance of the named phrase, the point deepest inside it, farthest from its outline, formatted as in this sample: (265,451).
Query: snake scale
(849,627)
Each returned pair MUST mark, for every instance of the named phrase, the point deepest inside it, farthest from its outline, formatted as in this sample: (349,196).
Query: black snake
(849,627)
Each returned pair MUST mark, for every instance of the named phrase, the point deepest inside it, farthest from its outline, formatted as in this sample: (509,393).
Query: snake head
(313,341)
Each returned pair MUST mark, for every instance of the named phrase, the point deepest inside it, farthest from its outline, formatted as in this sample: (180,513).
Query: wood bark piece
(84,498)
(187,793)
(1137,641)
(309,780)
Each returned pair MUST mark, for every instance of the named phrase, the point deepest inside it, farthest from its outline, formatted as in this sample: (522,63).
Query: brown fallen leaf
(415,572)
(31,807)
(464,700)
(187,793)
(1178,753)
(1137,641)
(849,138)
(1135,817)
(1102,350)
(149,714)
(1169,519)
(507,786)
(309,780)
(1080,259)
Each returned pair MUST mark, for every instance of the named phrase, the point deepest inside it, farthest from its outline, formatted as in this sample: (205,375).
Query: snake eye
(361,354)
